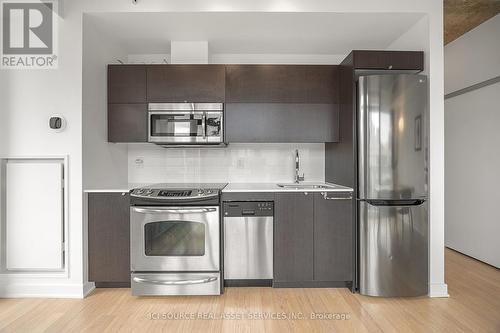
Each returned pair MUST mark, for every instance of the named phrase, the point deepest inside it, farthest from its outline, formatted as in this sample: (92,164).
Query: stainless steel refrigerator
(393,185)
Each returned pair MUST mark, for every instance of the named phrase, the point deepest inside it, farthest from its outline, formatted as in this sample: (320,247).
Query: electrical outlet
(139,163)
(240,163)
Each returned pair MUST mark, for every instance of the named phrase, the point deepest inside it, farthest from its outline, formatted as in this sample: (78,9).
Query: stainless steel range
(175,239)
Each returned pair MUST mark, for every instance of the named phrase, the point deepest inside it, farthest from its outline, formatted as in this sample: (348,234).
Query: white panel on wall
(472,178)
(473,57)
(472,156)
(34,215)
(240,163)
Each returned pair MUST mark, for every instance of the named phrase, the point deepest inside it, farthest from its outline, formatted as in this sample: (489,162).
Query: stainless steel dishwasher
(248,243)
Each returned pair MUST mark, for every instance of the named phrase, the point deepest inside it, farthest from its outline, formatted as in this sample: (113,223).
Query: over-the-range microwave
(186,124)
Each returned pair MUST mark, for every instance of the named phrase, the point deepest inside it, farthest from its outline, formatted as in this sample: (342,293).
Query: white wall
(104,164)
(302,59)
(240,163)
(189,52)
(472,139)
(427,35)
(27,98)
(148,59)
(473,57)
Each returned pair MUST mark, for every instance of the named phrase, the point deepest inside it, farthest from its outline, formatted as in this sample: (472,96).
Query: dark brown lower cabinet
(293,237)
(333,238)
(313,240)
(109,239)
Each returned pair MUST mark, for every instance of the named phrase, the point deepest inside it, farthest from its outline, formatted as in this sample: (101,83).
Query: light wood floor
(473,306)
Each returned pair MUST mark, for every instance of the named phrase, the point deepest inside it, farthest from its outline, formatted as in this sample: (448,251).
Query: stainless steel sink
(299,186)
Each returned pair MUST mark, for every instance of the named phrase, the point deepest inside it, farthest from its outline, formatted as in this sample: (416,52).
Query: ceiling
(256,33)
(461,16)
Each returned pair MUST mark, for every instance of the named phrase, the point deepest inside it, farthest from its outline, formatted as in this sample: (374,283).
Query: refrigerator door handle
(397,202)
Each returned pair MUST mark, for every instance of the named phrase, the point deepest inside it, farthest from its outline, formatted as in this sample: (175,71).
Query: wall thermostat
(57,123)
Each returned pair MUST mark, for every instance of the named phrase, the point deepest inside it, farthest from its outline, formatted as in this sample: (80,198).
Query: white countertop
(240,187)
(126,188)
(273,187)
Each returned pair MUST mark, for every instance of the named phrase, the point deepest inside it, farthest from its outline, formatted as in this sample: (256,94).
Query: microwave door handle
(204,125)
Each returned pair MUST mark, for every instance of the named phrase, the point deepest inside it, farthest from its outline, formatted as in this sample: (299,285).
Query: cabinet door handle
(326,197)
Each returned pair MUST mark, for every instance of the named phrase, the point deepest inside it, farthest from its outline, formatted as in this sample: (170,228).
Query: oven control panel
(177,194)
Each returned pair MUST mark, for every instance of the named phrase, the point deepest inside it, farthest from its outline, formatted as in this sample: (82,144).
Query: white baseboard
(438,290)
(33,290)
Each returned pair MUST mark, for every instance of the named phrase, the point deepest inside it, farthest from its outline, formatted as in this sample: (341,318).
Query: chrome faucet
(298,178)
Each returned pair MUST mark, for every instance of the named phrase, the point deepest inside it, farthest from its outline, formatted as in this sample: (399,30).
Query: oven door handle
(175,211)
(175,282)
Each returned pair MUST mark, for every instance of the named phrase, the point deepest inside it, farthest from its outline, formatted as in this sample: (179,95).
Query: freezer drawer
(393,252)
(167,284)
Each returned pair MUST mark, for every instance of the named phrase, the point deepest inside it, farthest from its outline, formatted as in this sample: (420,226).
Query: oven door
(174,239)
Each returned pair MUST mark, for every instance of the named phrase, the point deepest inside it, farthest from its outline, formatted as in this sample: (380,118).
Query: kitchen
(206,134)
(213,109)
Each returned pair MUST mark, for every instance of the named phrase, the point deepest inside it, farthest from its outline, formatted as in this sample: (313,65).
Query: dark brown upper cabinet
(312,84)
(127,122)
(127,108)
(281,122)
(388,60)
(126,84)
(281,103)
(186,83)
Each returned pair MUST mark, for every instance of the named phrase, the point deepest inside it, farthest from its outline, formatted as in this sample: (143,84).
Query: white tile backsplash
(249,163)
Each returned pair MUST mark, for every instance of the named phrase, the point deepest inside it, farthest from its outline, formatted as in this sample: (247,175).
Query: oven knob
(149,192)
(139,191)
(209,191)
(200,191)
